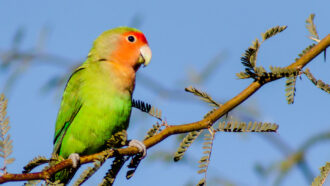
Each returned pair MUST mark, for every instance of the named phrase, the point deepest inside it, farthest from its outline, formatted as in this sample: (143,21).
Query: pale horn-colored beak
(145,55)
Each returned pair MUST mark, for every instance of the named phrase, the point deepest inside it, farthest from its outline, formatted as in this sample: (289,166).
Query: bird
(97,99)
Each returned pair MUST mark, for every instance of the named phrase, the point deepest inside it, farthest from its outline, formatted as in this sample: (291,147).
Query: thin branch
(175,129)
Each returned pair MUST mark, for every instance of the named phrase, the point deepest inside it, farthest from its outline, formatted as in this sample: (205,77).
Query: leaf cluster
(235,126)
(260,74)
(39,160)
(117,140)
(6,147)
(249,58)
(111,174)
(87,173)
(318,83)
(147,108)
(155,128)
(205,160)
(203,96)
(290,88)
(185,144)
(311,27)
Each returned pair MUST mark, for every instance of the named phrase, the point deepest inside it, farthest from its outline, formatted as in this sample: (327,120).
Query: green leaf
(203,96)
(272,32)
(311,26)
(318,83)
(185,144)
(290,89)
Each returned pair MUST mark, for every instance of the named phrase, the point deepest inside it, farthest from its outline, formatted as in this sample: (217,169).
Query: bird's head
(123,45)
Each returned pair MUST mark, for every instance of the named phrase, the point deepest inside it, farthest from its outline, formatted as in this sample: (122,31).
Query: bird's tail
(64,176)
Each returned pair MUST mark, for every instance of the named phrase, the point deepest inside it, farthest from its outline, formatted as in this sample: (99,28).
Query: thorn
(211,130)
(164,123)
(314,39)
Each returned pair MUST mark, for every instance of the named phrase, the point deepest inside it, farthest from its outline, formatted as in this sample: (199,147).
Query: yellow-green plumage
(96,102)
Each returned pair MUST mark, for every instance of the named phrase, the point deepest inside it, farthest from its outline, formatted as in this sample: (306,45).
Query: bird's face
(132,49)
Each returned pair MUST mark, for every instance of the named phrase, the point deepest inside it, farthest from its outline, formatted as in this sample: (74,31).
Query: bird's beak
(145,55)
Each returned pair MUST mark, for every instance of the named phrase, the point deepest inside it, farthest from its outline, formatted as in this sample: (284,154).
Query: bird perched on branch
(96,102)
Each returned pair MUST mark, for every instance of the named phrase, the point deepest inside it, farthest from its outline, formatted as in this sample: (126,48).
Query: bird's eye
(131,39)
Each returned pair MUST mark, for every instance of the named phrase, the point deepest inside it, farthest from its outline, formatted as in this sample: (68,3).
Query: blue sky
(183,35)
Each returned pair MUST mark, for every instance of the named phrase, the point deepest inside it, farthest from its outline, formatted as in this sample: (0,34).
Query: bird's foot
(140,145)
(75,159)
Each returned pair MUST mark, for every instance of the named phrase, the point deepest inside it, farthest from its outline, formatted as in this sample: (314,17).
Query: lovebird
(97,99)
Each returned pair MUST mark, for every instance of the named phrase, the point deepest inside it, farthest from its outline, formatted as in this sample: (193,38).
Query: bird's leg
(75,159)
(140,145)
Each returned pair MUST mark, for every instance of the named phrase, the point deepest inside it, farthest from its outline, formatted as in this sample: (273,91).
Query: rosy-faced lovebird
(97,99)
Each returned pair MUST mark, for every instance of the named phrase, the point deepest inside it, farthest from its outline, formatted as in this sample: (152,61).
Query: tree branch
(174,129)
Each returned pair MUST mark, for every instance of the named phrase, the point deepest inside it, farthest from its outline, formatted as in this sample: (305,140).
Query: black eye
(131,39)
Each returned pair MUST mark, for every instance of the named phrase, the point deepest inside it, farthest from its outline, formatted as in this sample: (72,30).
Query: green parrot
(97,100)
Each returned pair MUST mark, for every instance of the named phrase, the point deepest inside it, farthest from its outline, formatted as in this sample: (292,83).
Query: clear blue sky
(183,35)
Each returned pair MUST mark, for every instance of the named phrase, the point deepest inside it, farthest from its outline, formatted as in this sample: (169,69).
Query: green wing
(70,106)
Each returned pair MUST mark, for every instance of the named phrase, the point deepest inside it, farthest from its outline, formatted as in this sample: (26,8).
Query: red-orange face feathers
(123,45)
(132,49)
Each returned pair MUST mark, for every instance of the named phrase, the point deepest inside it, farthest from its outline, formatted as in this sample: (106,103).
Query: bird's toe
(140,145)
(75,159)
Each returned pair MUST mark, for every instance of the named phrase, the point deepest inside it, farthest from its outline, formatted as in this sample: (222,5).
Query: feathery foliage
(311,26)
(117,140)
(272,32)
(91,170)
(144,107)
(324,172)
(186,142)
(290,88)
(235,126)
(305,50)
(249,61)
(205,160)
(111,175)
(249,58)
(155,128)
(39,160)
(147,108)
(318,83)
(203,96)
(278,72)
(135,161)
(155,112)
(210,112)
(88,172)
(243,75)
(260,71)
(5,141)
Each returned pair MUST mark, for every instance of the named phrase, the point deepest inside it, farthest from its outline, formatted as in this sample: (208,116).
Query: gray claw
(140,145)
(75,159)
